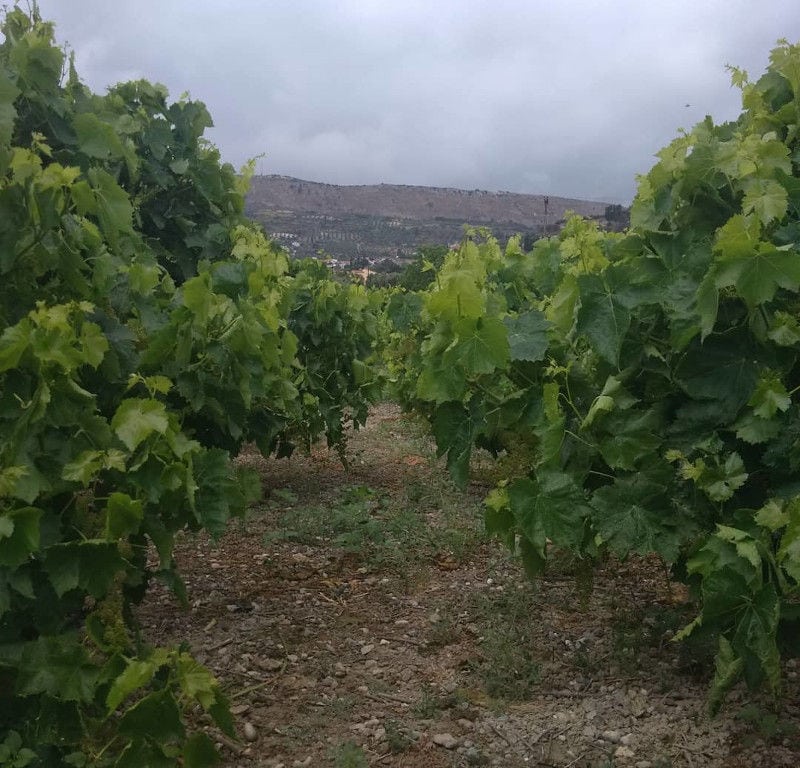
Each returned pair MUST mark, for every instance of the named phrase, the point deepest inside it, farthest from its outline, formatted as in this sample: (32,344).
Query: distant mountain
(383,221)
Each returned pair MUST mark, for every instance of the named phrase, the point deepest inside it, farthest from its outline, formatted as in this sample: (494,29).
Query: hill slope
(390,220)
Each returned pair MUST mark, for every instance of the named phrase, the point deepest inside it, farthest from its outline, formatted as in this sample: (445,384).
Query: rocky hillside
(391,221)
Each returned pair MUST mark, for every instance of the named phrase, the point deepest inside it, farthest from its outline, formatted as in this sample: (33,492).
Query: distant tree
(417,275)
(387,265)
(383,279)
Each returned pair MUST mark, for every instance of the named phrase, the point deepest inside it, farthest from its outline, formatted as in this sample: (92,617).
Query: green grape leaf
(140,751)
(769,396)
(630,437)
(632,515)
(784,329)
(602,318)
(10,478)
(458,297)
(137,674)
(527,335)
(754,430)
(199,299)
(8,112)
(722,370)
(136,419)
(196,681)
(789,550)
(550,506)
(156,715)
(728,668)
(756,633)
(482,347)
(745,545)
(89,565)
(58,667)
(758,276)
(5,596)
(533,555)
(96,138)
(84,468)
(772,516)
(13,343)
(123,516)
(440,384)
(766,199)
(114,209)
(199,752)
(720,482)
(561,307)
(218,495)
(404,310)
(453,430)
(21,539)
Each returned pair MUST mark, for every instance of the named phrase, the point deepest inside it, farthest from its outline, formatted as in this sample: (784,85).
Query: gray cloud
(568,98)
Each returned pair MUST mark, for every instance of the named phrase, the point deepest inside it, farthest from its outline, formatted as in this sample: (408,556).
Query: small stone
(465,724)
(612,736)
(446,740)
(271,665)
(368,648)
(339,669)
(302,763)
(250,732)
(293,657)
(379,734)
(627,740)
(644,764)
(623,752)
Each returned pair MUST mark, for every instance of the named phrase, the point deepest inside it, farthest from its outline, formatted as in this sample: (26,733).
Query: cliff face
(392,221)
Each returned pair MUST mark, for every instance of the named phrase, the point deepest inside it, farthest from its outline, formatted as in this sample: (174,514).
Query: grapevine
(646,382)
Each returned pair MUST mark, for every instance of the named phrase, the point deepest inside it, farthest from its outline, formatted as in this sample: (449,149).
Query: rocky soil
(359,617)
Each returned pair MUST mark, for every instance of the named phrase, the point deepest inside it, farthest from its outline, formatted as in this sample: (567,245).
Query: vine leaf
(136,419)
(59,667)
(527,335)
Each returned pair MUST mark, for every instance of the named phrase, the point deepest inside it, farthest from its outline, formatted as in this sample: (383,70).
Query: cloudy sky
(561,97)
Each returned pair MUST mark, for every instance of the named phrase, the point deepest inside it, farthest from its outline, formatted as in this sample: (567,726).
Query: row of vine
(644,384)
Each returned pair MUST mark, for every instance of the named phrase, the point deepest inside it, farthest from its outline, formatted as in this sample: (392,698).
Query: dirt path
(359,617)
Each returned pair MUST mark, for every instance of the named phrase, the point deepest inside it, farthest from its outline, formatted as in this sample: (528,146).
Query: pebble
(644,764)
(623,752)
(446,740)
(302,763)
(271,665)
(339,669)
(465,724)
(250,732)
(612,736)
(365,649)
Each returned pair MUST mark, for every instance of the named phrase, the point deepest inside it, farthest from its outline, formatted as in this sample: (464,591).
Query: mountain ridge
(392,220)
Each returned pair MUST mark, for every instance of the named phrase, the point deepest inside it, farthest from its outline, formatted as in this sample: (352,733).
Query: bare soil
(423,644)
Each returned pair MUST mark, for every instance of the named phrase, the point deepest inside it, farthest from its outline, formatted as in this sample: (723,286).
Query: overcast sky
(561,97)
